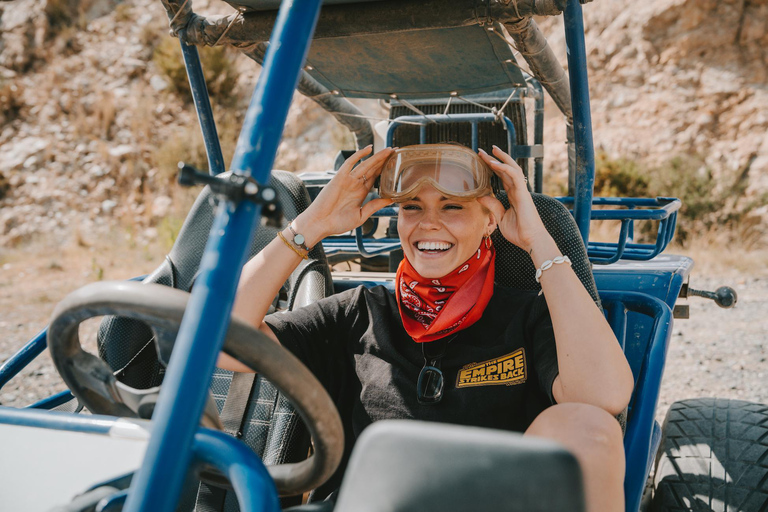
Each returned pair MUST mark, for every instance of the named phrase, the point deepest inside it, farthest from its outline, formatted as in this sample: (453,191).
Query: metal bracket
(235,188)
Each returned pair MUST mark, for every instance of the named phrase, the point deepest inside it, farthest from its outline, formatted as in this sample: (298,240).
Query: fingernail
(481,150)
(495,146)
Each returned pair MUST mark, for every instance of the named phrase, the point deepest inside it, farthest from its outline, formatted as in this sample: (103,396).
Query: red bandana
(433,308)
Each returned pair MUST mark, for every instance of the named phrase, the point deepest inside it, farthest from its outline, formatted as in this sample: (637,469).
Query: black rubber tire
(713,457)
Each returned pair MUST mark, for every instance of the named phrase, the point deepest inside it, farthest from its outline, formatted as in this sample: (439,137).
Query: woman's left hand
(521,224)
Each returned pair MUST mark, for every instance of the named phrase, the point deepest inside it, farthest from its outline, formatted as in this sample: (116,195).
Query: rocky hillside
(671,77)
(92,120)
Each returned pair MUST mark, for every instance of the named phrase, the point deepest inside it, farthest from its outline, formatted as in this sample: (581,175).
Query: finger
(500,169)
(511,174)
(375,162)
(493,204)
(350,162)
(504,157)
(378,165)
(372,207)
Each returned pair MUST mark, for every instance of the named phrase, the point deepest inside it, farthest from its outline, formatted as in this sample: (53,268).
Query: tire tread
(713,457)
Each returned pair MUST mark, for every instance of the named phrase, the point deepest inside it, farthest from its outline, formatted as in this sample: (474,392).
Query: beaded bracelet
(292,246)
(548,264)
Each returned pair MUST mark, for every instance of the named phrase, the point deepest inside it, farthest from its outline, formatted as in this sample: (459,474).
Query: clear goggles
(454,170)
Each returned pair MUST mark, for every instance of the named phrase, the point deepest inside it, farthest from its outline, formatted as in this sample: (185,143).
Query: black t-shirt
(498,372)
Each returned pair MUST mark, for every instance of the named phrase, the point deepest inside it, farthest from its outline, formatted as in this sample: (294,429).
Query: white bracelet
(548,264)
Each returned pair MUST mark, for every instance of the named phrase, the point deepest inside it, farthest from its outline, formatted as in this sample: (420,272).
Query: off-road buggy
(445,71)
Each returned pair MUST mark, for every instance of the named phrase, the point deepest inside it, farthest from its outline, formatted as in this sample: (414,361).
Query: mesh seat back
(514,267)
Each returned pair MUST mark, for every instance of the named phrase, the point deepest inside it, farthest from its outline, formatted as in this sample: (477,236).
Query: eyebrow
(442,198)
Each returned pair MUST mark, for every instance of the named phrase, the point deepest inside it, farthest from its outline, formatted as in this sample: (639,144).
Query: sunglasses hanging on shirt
(431,383)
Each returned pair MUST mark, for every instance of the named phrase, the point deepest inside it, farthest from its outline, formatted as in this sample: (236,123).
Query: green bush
(710,205)
(218,67)
(619,178)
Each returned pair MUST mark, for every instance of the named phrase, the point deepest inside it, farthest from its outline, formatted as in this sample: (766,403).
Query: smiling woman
(451,345)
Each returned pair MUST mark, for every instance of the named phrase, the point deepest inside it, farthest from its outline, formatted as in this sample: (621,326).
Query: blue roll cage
(177,439)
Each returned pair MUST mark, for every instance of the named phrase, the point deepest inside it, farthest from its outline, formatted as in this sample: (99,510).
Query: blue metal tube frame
(582,117)
(253,486)
(157,484)
(538,135)
(202,107)
(473,119)
(23,357)
(52,401)
(640,426)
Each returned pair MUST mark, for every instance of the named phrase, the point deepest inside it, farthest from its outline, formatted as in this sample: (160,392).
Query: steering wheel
(91,380)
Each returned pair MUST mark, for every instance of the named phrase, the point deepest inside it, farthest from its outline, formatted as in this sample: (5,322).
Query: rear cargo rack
(627,210)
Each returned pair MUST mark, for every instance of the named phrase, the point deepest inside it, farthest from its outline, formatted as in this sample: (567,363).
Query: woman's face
(440,233)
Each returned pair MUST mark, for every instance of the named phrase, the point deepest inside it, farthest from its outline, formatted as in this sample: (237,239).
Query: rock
(158,83)
(160,206)
(14,154)
(122,151)
(108,205)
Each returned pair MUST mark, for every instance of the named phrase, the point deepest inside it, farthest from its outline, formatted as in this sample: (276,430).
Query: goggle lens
(456,171)
(447,176)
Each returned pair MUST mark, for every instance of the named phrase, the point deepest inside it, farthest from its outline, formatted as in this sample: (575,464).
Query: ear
(491,223)
(491,208)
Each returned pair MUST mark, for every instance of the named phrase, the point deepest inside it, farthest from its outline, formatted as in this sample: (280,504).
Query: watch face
(298,239)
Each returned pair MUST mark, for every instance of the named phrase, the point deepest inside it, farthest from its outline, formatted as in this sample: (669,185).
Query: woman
(438,349)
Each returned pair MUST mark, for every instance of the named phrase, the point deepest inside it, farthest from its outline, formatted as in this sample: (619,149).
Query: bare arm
(337,209)
(593,368)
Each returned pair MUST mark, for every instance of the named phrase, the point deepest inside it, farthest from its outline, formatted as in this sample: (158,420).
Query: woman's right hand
(339,206)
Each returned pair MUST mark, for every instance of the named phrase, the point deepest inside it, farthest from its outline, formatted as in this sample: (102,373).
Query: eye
(410,207)
(453,206)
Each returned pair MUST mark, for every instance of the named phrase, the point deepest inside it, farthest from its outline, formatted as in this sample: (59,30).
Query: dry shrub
(105,111)
(5,186)
(218,67)
(66,43)
(11,101)
(60,14)
(96,119)
(123,13)
(186,145)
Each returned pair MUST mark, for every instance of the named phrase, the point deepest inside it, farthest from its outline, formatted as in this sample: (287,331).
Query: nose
(430,220)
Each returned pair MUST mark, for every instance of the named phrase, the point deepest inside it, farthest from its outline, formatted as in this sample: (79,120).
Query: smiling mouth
(433,247)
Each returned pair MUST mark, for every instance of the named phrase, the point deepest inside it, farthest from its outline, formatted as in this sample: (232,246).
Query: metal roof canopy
(416,63)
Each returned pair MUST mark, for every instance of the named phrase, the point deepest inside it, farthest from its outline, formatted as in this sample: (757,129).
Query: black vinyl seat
(270,426)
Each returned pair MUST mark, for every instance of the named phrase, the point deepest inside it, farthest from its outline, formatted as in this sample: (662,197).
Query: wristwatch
(298,238)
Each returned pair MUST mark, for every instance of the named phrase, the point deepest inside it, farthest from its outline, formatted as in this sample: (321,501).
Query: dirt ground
(715,353)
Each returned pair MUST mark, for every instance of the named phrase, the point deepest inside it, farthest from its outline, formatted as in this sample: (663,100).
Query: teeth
(434,246)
